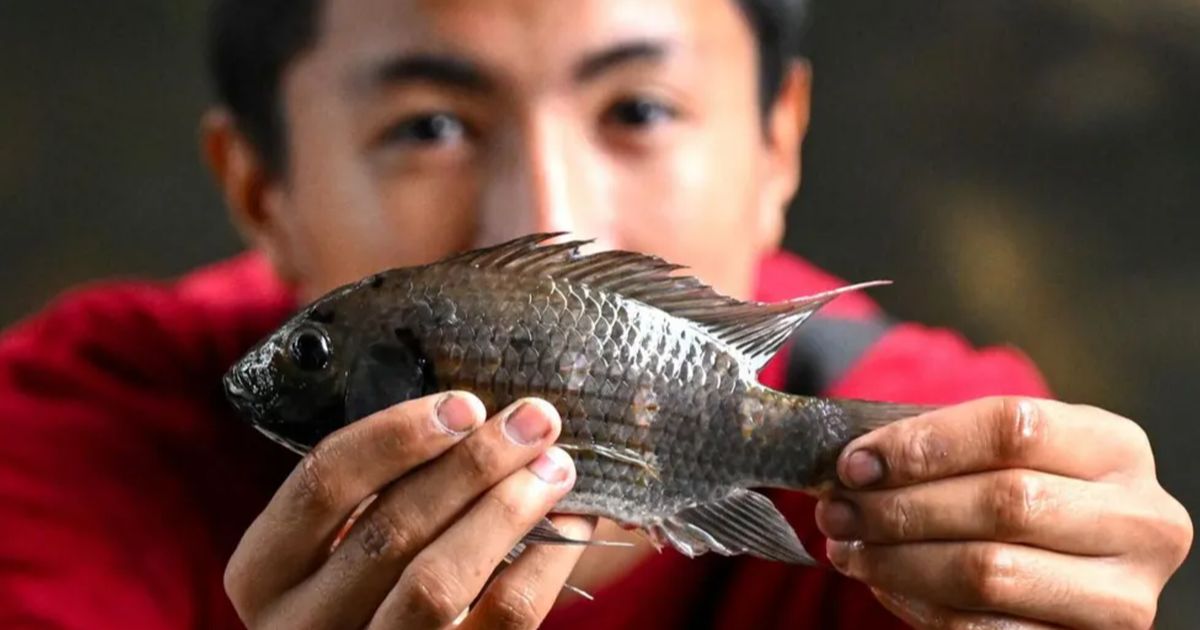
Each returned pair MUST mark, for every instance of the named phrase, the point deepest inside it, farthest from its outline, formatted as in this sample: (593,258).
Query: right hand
(455,494)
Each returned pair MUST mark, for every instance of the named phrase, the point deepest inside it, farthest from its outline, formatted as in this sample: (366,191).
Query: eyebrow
(454,71)
(608,59)
(447,70)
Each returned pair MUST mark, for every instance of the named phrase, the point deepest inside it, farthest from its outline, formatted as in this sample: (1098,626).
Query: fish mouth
(239,392)
(245,396)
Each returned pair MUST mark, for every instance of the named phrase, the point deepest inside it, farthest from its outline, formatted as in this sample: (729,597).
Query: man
(356,135)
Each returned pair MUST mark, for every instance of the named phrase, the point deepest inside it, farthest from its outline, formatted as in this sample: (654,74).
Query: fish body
(654,376)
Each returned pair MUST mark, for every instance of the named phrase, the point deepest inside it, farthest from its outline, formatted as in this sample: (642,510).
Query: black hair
(251,43)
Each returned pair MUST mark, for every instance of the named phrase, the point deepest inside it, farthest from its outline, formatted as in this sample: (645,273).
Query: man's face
(417,128)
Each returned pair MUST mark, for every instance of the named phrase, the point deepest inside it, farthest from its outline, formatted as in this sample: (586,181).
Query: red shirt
(126,482)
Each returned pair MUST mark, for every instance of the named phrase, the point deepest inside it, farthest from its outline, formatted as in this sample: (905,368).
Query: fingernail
(526,425)
(553,466)
(863,468)
(456,414)
(839,519)
(839,552)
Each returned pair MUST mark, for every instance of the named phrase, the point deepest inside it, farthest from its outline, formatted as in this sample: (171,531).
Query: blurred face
(418,128)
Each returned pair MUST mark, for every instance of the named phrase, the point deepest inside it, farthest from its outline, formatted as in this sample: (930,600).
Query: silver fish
(654,375)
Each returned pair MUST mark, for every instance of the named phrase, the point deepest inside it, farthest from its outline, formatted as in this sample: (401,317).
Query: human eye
(640,112)
(428,129)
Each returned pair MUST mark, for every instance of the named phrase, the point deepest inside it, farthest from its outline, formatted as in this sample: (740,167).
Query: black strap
(825,348)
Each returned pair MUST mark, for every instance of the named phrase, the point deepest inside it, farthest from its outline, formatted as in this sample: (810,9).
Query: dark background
(1027,172)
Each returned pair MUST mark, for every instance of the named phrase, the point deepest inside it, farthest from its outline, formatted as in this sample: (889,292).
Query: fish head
(291,385)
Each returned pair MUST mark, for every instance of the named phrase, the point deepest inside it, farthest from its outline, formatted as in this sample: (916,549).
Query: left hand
(1007,513)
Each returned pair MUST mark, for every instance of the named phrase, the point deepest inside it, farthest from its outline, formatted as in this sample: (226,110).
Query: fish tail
(860,417)
(802,437)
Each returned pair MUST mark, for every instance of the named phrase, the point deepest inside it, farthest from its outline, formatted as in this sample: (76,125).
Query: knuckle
(1017,500)
(1128,611)
(394,434)
(1175,530)
(313,480)
(1136,617)
(430,594)
(511,607)
(900,517)
(509,507)
(1021,429)
(988,576)
(385,536)
(234,588)
(481,460)
(920,453)
(1184,530)
(1137,439)
(1143,616)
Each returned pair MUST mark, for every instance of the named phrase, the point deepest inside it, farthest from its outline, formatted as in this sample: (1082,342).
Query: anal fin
(744,522)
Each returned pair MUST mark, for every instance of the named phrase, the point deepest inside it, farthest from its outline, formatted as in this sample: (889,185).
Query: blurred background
(1027,172)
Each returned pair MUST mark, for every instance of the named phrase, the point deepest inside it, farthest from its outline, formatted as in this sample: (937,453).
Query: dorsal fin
(755,329)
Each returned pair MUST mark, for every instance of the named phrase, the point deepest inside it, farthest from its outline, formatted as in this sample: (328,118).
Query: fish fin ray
(502,252)
(545,533)
(623,455)
(743,522)
(755,329)
(758,330)
(520,548)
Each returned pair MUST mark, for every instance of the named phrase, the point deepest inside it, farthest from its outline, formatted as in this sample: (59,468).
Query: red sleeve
(917,364)
(108,485)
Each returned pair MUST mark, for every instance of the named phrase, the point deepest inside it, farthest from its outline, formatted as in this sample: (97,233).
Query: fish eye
(310,350)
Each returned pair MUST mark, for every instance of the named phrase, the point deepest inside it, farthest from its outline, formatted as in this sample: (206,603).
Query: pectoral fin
(547,534)
(516,552)
(623,455)
(744,522)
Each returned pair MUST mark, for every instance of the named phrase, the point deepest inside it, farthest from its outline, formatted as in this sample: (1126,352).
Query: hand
(1007,513)
(455,494)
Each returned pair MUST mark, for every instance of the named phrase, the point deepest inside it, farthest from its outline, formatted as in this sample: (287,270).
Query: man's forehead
(527,37)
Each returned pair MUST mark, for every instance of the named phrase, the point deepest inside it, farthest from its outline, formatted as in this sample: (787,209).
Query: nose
(544,178)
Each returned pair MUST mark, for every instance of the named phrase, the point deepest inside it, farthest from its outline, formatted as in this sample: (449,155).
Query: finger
(923,615)
(524,593)
(1016,505)
(415,510)
(292,535)
(1002,578)
(448,574)
(995,433)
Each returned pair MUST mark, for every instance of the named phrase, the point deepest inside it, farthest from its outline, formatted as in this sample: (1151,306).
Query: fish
(653,372)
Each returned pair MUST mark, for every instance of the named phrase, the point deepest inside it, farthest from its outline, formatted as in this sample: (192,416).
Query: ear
(787,124)
(254,196)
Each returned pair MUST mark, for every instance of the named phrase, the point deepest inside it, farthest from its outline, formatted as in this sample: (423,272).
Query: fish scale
(637,351)
(653,374)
